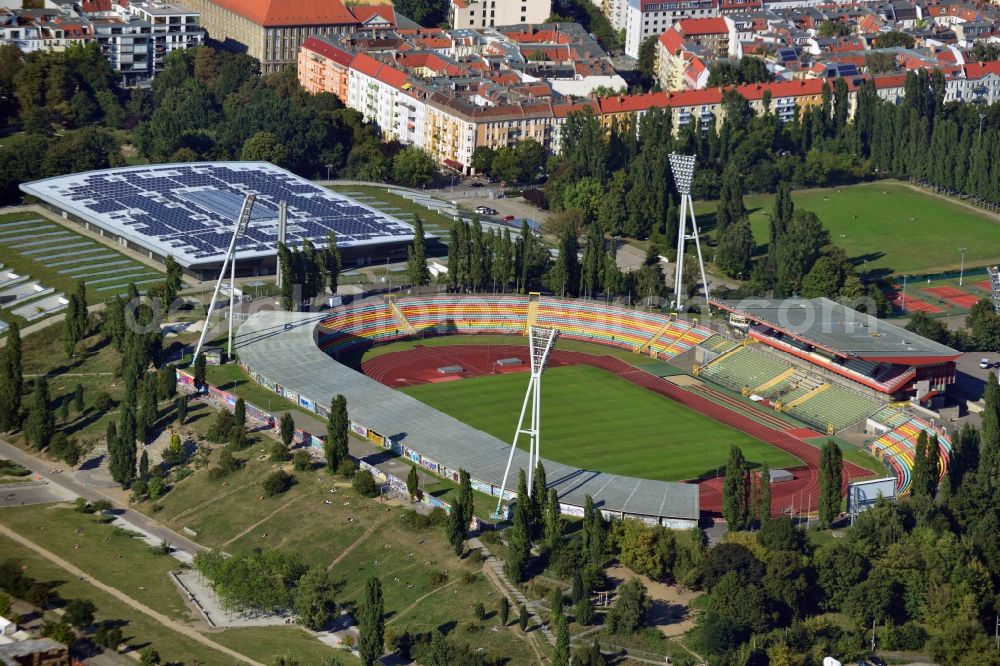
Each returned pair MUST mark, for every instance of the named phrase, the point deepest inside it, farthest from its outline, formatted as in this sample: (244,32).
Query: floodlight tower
(241,225)
(540,341)
(682,167)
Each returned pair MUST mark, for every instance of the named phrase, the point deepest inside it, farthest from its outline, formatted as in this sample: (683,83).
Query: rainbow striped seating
(440,315)
(368,323)
(589,321)
(897,446)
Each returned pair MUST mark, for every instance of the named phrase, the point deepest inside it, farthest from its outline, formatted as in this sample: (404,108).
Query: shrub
(175,454)
(472,628)
(9,468)
(535,197)
(108,636)
(222,427)
(584,612)
(156,487)
(280,452)
(436,578)
(347,640)
(103,402)
(364,483)
(302,461)
(479,610)
(277,482)
(347,468)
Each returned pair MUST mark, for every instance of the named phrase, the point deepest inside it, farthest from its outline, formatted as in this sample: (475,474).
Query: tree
(831,469)
(286,428)
(555,604)
(200,366)
(764,496)
(637,548)
(730,209)
(734,255)
(314,600)
(79,613)
(504,610)
(455,529)
(240,414)
(364,483)
(539,498)
(180,406)
(335,448)
(989,438)
(149,657)
(735,491)
(286,276)
(277,482)
(466,501)
(631,603)
(265,147)
(144,466)
(371,623)
(423,12)
(522,617)
(416,256)
(331,261)
(414,167)
(11,379)
(595,534)
(553,522)
(519,539)
(41,423)
(412,483)
(561,655)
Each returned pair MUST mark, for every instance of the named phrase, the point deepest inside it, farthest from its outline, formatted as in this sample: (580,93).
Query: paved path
(64,479)
(124,598)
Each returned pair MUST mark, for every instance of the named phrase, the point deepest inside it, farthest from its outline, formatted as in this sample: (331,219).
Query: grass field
(593,419)
(888,228)
(57,256)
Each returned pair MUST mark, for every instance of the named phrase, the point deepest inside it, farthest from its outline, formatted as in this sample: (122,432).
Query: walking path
(124,598)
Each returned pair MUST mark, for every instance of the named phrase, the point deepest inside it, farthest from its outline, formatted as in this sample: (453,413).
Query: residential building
(651,18)
(716,34)
(34,652)
(272,30)
(490,13)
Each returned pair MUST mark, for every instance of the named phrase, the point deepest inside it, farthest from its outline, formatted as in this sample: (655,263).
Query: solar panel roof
(189,210)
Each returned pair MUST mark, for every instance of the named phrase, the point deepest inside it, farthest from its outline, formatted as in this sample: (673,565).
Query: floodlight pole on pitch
(241,226)
(682,167)
(540,341)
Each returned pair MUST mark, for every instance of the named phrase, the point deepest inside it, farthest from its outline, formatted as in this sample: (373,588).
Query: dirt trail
(124,598)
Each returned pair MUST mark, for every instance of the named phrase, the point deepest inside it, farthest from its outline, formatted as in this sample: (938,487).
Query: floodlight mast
(682,167)
(241,226)
(540,342)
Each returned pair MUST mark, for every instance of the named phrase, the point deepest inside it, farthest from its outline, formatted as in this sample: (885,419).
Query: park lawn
(595,420)
(79,538)
(434,222)
(266,644)
(49,276)
(888,228)
(235,518)
(139,629)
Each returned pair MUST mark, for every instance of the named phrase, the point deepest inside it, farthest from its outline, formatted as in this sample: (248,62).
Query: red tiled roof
(977,70)
(366,64)
(366,12)
(328,50)
(271,13)
(632,103)
(672,41)
(702,26)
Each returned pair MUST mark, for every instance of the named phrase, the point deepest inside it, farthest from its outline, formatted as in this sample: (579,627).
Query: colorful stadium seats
(835,407)
(897,446)
(507,315)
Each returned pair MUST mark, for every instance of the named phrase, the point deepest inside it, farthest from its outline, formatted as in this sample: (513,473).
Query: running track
(419,366)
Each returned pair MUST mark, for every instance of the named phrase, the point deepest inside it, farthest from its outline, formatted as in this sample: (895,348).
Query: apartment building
(651,18)
(489,13)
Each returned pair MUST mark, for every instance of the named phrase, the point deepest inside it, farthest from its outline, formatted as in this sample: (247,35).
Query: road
(60,475)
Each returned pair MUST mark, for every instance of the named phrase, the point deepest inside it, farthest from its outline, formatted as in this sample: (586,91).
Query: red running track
(420,366)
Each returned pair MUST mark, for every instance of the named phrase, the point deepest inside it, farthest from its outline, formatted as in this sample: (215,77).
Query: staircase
(532,311)
(771,383)
(656,336)
(808,396)
(400,317)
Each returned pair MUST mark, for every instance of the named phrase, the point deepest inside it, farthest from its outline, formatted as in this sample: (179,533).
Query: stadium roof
(841,330)
(189,210)
(281,346)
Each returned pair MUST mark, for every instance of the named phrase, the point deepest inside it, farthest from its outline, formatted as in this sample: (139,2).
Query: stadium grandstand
(897,441)
(653,334)
(848,347)
(189,211)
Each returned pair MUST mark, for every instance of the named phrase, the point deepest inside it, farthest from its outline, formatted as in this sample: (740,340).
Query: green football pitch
(889,228)
(596,420)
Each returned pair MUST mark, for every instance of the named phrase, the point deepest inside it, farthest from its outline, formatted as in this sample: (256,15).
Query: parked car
(476,183)
(486,210)
(985,363)
(508,218)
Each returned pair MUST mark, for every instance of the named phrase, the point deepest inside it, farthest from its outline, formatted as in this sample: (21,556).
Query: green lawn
(888,228)
(593,419)
(139,630)
(379,198)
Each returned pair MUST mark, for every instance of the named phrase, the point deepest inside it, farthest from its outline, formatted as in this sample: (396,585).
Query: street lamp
(904,291)
(328,167)
(961,269)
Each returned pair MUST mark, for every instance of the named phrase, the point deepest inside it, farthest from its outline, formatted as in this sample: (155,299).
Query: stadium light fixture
(540,342)
(682,167)
(241,225)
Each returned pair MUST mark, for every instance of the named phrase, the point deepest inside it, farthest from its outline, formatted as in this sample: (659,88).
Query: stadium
(188,210)
(640,407)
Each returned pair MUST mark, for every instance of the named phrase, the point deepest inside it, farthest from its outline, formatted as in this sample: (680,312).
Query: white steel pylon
(682,167)
(540,341)
(241,226)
